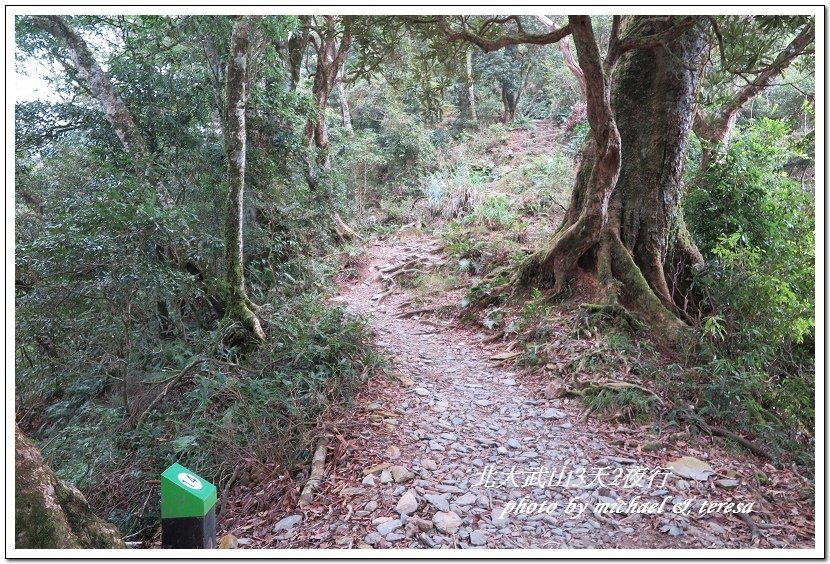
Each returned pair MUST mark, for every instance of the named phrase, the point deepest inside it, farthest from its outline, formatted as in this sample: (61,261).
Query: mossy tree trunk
(49,513)
(239,307)
(627,191)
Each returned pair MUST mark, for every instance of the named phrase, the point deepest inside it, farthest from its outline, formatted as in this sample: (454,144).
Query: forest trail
(447,415)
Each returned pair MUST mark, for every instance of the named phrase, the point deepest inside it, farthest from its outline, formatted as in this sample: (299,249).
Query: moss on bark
(50,513)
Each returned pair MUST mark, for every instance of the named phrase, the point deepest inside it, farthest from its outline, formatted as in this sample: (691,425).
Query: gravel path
(426,457)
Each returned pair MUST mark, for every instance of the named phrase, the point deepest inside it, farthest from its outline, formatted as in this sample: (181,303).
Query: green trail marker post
(188,510)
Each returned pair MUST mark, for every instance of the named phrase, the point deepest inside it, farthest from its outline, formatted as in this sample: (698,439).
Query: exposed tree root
(316,474)
(718,431)
(343,230)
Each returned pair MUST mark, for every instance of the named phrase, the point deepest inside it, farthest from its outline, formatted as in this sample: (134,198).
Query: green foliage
(627,404)
(494,211)
(757,226)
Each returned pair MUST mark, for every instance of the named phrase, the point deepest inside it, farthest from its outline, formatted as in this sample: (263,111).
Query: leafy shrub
(757,227)
(494,212)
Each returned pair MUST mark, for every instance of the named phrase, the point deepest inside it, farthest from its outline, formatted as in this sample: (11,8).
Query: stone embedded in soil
(446,522)
(429,464)
(468,498)
(386,477)
(478,538)
(372,538)
(287,523)
(368,480)
(422,391)
(438,502)
(496,518)
(389,526)
(553,414)
(407,504)
(513,443)
(401,474)
(727,484)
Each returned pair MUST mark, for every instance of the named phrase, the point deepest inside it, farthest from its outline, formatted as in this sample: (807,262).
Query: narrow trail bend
(452,415)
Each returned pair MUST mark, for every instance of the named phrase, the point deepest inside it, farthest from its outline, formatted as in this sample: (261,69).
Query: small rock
(438,502)
(385,477)
(422,391)
(391,537)
(727,484)
(478,538)
(287,522)
(446,522)
(501,450)
(371,506)
(468,498)
(407,504)
(389,526)
(393,452)
(513,443)
(553,414)
(496,518)
(369,480)
(429,464)
(436,445)
(422,525)
(372,538)
(400,474)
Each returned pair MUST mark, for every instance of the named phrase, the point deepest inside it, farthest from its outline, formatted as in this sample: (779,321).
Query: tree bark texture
(239,306)
(471,89)
(49,513)
(627,190)
(345,111)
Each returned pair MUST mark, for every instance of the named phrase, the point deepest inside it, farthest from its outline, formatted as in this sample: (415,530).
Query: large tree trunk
(114,107)
(239,307)
(624,205)
(297,44)
(654,105)
(330,59)
(48,512)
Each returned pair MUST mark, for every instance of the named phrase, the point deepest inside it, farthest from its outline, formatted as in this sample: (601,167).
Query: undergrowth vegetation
(125,359)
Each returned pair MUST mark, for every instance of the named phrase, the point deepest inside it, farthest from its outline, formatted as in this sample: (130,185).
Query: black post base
(189,532)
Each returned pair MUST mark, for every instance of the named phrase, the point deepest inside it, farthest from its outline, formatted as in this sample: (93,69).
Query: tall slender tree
(239,305)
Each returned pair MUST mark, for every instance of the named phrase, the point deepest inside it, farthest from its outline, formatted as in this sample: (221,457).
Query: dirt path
(453,416)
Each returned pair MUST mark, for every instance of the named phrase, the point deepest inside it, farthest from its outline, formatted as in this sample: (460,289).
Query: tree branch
(494,44)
